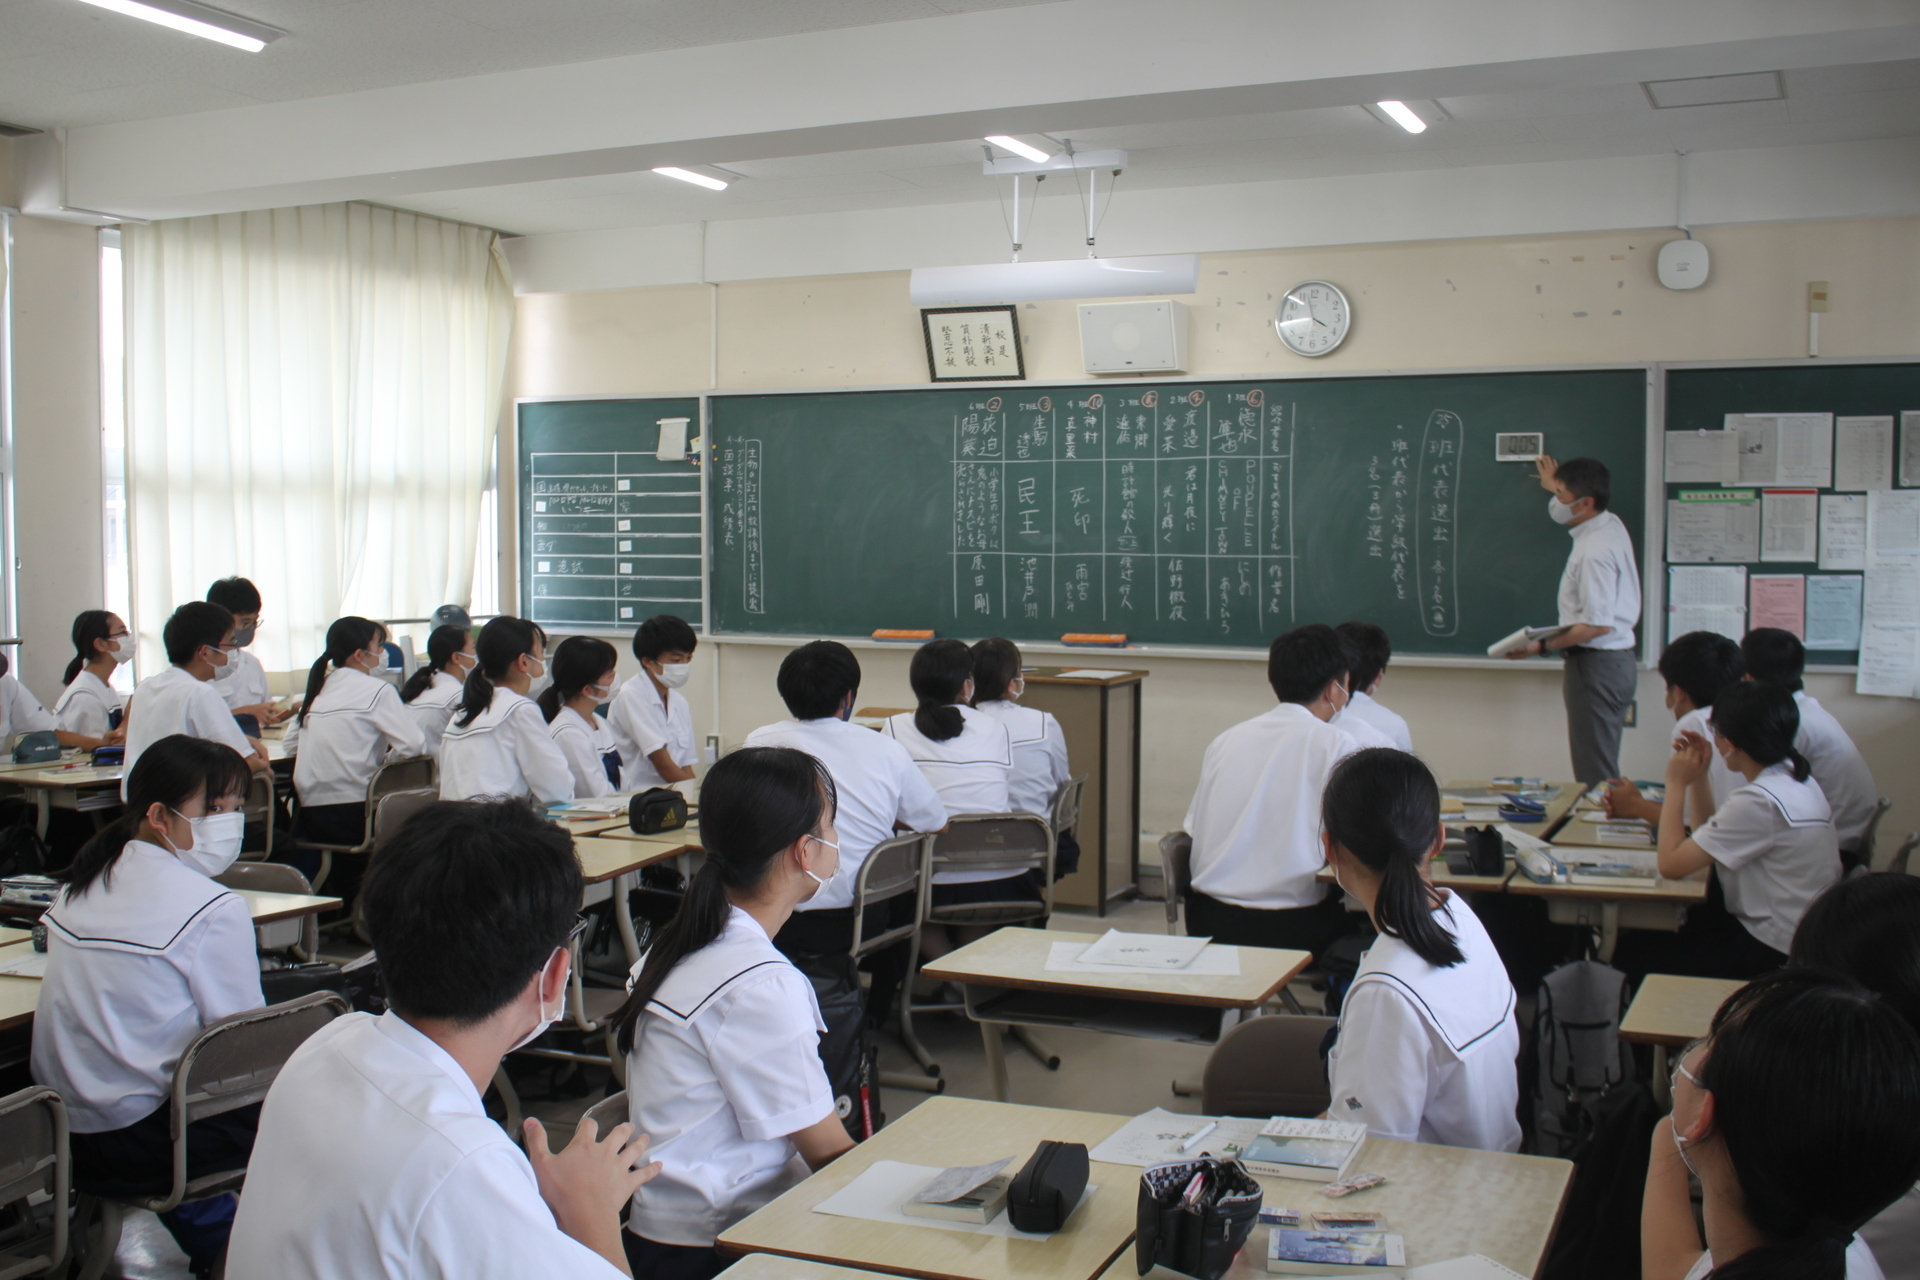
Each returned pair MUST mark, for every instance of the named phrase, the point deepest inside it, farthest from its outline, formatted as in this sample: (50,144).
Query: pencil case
(1196,1236)
(657,809)
(1048,1187)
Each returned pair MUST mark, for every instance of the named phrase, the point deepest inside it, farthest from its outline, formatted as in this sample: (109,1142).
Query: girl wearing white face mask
(584,670)
(143,951)
(498,743)
(721,1032)
(90,709)
(651,719)
(1039,745)
(433,691)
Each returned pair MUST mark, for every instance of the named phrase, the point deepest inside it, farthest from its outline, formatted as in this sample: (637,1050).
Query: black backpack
(1579,1054)
(847,1050)
(22,851)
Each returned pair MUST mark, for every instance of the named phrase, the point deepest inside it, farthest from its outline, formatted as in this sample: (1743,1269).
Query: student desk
(1566,796)
(619,861)
(51,786)
(1006,982)
(1670,1012)
(765,1266)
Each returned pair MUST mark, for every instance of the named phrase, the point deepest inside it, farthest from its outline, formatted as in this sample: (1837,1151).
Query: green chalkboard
(609,534)
(1180,513)
(1701,399)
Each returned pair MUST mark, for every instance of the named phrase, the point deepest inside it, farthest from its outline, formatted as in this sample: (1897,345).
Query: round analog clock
(1313,318)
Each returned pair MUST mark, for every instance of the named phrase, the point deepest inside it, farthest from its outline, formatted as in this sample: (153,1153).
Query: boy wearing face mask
(182,699)
(1600,606)
(652,722)
(243,681)
(144,950)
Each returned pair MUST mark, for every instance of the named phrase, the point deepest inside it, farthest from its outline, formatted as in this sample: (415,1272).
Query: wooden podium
(1101,720)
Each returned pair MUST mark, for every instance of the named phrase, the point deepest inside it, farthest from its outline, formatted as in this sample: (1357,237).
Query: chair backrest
(392,810)
(232,1063)
(1066,805)
(1009,843)
(892,868)
(409,773)
(264,877)
(609,1111)
(258,806)
(34,1160)
(1863,847)
(1176,852)
(1902,856)
(1268,1067)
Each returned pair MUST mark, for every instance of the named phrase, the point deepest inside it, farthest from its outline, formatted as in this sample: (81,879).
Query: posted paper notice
(1789,524)
(1833,611)
(1843,531)
(1863,453)
(1778,600)
(1713,526)
(1706,599)
(1910,447)
(1784,448)
(1702,457)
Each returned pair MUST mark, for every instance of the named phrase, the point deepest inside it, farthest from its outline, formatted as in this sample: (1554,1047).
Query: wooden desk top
(1017,958)
(1052,675)
(1676,892)
(766,1266)
(266,908)
(1566,795)
(686,838)
(18,996)
(882,713)
(602,860)
(949,1131)
(1672,1010)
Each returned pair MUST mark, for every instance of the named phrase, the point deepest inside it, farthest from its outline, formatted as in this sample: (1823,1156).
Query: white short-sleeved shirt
(350,728)
(642,724)
(587,745)
(1363,709)
(1601,584)
(1861,1264)
(435,707)
(20,711)
(1720,777)
(1363,732)
(376,1159)
(243,681)
(878,785)
(506,750)
(1894,1236)
(137,966)
(1039,756)
(1838,767)
(725,1065)
(971,773)
(87,706)
(1255,817)
(1776,849)
(176,701)
(1427,1054)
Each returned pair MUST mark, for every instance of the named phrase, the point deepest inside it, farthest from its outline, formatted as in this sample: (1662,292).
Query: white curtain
(312,397)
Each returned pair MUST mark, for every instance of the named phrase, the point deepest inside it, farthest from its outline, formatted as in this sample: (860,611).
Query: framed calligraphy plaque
(973,344)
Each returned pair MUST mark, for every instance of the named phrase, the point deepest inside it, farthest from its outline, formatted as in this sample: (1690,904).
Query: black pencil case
(1044,1193)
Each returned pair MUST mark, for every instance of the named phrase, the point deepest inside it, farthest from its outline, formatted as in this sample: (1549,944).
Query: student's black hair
(94,624)
(1868,930)
(346,637)
(171,771)
(499,645)
(441,646)
(577,661)
(754,803)
(465,905)
(996,665)
(939,674)
(1700,664)
(1383,807)
(1303,661)
(1368,652)
(663,633)
(235,595)
(816,678)
(1775,656)
(1761,720)
(1587,478)
(1816,1097)
(195,625)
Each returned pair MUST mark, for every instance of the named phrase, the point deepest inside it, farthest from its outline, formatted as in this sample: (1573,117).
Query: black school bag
(847,1050)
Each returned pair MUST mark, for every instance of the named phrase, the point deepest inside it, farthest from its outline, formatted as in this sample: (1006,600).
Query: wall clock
(1313,318)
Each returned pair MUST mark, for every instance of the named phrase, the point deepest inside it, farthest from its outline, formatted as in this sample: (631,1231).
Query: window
(113,440)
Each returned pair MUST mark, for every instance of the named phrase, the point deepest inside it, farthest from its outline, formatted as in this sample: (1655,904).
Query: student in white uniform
(1772,847)
(1867,930)
(1800,1116)
(584,670)
(652,722)
(1369,651)
(880,792)
(90,709)
(1696,667)
(1039,746)
(721,1032)
(1778,657)
(432,692)
(350,721)
(498,743)
(1255,817)
(376,1157)
(182,699)
(243,681)
(143,951)
(21,712)
(1427,1038)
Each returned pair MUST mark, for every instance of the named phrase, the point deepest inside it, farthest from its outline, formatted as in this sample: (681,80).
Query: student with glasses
(182,699)
(90,709)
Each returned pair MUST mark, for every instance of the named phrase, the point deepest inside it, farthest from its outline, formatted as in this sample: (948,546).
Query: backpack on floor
(847,1050)
(1580,1055)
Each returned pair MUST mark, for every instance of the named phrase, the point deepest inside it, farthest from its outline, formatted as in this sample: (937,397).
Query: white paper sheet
(1702,457)
(1217,961)
(1713,526)
(1152,952)
(1843,531)
(1910,447)
(1087,673)
(672,446)
(1778,600)
(1706,598)
(1892,596)
(1893,523)
(1758,450)
(1889,661)
(880,1190)
(1833,611)
(1863,453)
(1789,524)
(28,964)
(1157,1136)
(1474,1266)
(1806,449)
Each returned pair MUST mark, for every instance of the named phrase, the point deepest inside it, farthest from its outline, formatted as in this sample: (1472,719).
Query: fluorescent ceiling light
(1047,281)
(197,20)
(688,175)
(1019,148)
(1400,115)
(1715,91)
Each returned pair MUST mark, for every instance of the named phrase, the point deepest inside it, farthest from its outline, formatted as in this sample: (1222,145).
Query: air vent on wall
(16,130)
(1715,91)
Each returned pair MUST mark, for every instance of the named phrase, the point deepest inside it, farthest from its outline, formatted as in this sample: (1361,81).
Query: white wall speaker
(1134,337)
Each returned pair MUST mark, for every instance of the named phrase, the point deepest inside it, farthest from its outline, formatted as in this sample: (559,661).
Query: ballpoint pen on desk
(1194,1140)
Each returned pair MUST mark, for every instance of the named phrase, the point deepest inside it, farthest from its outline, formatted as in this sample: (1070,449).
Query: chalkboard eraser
(903,637)
(1094,640)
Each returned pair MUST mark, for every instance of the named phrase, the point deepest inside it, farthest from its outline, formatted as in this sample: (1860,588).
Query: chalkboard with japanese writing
(1182,513)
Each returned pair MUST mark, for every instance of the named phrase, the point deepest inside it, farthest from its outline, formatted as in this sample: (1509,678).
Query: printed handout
(1778,600)
(1843,531)
(1713,526)
(1863,453)
(1789,524)
(1833,611)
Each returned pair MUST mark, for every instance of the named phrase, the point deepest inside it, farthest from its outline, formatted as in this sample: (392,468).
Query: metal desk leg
(43,810)
(1609,929)
(1662,1079)
(623,916)
(990,1033)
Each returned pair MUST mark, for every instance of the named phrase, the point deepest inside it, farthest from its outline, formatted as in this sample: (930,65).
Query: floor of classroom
(1091,1077)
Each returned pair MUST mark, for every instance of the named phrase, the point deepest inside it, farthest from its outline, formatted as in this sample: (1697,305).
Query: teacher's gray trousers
(1598,686)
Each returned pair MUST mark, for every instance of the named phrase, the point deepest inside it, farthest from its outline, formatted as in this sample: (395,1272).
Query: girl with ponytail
(350,723)
(498,743)
(433,691)
(584,670)
(1427,1037)
(721,1032)
(1800,1115)
(91,707)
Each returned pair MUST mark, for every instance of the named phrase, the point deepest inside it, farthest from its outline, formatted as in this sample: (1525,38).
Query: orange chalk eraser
(1094,638)
(889,633)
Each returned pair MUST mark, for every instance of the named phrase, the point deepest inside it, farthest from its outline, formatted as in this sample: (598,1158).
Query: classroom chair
(301,937)
(1176,850)
(228,1066)
(1066,807)
(390,813)
(1857,859)
(1901,858)
(893,870)
(34,1161)
(413,773)
(259,807)
(1267,1067)
(609,1111)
